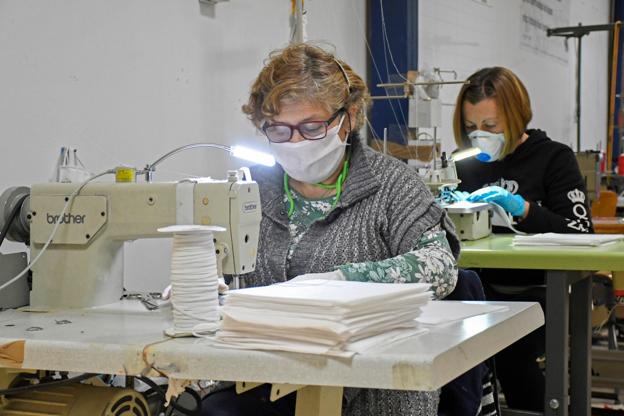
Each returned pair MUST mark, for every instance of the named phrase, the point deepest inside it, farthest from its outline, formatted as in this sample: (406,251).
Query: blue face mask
(490,144)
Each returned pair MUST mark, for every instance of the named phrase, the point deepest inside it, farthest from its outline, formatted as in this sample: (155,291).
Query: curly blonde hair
(306,72)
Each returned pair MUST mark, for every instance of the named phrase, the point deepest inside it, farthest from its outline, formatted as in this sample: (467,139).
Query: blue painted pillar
(394,51)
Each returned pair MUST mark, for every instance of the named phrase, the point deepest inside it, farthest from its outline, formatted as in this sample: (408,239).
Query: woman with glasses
(332,208)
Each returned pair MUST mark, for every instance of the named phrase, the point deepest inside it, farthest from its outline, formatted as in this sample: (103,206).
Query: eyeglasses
(309,130)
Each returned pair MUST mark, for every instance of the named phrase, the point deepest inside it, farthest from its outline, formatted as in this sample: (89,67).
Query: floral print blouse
(431,261)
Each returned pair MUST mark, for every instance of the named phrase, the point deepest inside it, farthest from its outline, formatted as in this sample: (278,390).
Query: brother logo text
(66,219)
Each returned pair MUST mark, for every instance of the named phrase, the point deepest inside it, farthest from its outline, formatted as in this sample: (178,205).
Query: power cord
(174,403)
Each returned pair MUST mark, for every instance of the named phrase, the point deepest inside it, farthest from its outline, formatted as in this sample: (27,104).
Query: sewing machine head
(473,220)
(83,264)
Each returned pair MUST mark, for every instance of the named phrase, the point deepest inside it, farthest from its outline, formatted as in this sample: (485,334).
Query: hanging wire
(377,71)
(386,52)
(599,328)
(387,41)
(370,126)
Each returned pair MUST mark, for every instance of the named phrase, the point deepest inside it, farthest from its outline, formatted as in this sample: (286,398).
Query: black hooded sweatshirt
(546,174)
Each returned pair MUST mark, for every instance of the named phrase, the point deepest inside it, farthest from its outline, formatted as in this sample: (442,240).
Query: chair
(605,205)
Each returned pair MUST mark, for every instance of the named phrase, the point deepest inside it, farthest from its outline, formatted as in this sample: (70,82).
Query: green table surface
(496,251)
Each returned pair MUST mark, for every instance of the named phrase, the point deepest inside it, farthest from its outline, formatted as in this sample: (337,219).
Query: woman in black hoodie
(536,180)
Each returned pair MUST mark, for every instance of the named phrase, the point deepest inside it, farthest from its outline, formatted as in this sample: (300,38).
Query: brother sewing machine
(83,264)
(472,220)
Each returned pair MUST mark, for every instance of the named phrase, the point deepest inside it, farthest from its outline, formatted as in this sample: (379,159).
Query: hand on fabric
(514,204)
(335,275)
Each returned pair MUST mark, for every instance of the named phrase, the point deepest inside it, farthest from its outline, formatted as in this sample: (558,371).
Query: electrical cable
(387,51)
(154,389)
(12,216)
(76,379)
(159,391)
(431,161)
(390,103)
(70,199)
(377,71)
(599,328)
(387,40)
(370,126)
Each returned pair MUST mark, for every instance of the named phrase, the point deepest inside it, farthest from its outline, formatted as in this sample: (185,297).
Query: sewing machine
(472,220)
(83,265)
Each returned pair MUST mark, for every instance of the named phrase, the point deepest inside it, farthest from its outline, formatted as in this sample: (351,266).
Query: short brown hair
(511,98)
(306,72)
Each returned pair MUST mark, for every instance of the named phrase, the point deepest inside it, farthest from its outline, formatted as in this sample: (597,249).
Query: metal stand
(563,290)
(578,32)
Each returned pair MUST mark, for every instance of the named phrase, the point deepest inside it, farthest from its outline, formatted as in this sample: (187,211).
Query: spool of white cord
(194,280)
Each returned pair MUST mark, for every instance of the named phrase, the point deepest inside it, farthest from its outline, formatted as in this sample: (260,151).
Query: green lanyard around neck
(336,185)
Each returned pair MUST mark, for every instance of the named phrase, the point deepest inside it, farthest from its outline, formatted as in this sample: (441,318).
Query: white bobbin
(194,280)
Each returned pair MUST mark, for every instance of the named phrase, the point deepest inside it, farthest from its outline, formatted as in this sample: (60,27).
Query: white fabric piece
(557,239)
(334,275)
(441,312)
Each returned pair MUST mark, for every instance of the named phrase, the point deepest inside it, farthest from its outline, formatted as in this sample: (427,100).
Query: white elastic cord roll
(194,282)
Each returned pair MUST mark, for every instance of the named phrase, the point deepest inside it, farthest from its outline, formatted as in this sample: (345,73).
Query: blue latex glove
(461,195)
(448,196)
(514,204)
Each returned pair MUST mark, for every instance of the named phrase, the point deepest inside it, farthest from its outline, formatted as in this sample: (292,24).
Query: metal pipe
(385,141)
(577,31)
(389,97)
(578,96)
(402,84)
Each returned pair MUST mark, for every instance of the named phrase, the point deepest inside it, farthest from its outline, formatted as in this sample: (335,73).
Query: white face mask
(490,144)
(311,161)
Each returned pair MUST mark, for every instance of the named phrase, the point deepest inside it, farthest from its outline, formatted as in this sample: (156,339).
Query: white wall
(125,81)
(467,35)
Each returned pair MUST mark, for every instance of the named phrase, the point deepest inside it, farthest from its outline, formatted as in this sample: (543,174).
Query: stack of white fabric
(555,239)
(337,318)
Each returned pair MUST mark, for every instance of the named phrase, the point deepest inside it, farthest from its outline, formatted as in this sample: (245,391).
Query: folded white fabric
(556,239)
(442,312)
(337,318)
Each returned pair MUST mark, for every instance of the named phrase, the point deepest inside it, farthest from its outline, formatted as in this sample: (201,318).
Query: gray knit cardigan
(384,209)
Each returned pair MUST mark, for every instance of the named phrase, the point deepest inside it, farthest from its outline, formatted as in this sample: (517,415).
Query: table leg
(580,344)
(319,401)
(557,320)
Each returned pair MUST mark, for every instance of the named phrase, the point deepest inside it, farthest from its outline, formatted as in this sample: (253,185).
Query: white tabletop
(130,341)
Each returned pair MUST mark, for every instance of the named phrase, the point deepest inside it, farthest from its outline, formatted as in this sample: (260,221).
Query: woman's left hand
(335,275)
